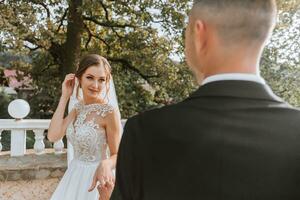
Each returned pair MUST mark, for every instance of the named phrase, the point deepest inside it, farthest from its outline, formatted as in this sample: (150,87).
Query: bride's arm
(58,124)
(104,174)
(113,131)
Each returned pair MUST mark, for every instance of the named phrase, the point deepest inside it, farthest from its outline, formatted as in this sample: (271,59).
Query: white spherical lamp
(18,109)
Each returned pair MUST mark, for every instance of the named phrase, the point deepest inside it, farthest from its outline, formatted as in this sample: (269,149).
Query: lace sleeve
(105,109)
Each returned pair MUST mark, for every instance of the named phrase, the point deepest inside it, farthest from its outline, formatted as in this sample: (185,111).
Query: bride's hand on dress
(104,176)
(68,86)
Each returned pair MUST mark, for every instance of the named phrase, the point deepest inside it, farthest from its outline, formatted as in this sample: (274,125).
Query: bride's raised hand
(68,86)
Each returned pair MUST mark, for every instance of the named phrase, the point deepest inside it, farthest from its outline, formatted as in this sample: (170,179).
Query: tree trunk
(72,46)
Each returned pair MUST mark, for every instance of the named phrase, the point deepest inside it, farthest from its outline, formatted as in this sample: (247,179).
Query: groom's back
(231,140)
(220,147)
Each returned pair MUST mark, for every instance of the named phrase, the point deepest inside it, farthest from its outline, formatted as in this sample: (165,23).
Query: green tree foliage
(55,33)
(280,65)
(138,38)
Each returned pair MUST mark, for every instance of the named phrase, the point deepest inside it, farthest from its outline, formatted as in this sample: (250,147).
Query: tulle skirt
(76,181)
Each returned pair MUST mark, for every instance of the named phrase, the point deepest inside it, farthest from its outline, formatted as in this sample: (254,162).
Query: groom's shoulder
(160,115)
(166,109)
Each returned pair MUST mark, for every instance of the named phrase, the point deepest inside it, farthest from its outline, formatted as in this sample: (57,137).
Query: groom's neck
(235,60)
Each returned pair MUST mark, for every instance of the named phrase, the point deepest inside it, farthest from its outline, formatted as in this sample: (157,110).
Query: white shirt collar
(234,76)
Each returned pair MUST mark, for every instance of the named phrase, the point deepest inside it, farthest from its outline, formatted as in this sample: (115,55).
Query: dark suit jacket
(230,140)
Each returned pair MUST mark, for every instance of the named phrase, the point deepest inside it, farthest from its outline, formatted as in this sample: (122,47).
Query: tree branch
(97,37)
(47,67)
(105,10)
(41,3)
(32,49)
(33,41)
(47,9)
(89,40)
(111,25)
(143,10)
(128,65)
(114,30)
(108,23)
(62,20)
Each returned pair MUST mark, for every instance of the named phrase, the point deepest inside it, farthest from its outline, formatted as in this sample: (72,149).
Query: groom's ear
(201,33)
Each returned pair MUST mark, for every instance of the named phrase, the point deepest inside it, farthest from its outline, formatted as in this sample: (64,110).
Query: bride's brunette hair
(91,60)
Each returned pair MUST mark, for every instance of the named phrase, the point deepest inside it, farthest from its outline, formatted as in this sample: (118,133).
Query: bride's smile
(93,82)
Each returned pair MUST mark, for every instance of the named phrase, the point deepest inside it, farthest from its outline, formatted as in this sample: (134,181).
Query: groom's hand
(95,180)
(106,191)
(103,175)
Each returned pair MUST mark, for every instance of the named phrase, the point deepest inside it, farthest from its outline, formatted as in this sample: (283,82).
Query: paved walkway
(30,177)
(28,190)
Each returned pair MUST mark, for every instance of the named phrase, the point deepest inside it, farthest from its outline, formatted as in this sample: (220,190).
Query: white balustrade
(58,147)
(18,130)
(18,142)
(39,145)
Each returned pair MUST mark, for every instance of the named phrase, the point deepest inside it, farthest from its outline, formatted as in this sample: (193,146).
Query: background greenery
(143,41)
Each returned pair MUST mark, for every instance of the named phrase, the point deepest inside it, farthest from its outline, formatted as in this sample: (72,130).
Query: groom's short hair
(238,20)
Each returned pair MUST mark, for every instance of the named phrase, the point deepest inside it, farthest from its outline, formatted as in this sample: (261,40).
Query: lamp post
(18,109)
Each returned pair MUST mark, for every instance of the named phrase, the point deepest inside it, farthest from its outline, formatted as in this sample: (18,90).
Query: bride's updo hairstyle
(92,60)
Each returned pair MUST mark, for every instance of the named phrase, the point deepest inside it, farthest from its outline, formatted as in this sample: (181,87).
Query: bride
(93,128)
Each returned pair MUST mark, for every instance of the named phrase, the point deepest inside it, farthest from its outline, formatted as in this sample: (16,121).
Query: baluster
(39,145)
(18,142)
(58,147)
(0,140)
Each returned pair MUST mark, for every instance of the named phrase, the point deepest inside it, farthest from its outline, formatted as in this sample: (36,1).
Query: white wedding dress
(90,147)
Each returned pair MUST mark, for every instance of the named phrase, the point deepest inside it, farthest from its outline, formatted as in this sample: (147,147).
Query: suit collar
(236,88)
(234,76)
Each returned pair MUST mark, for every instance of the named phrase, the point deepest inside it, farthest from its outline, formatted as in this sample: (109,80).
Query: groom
(232,139)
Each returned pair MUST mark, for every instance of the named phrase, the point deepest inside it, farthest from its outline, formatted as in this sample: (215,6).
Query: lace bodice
(87,137)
